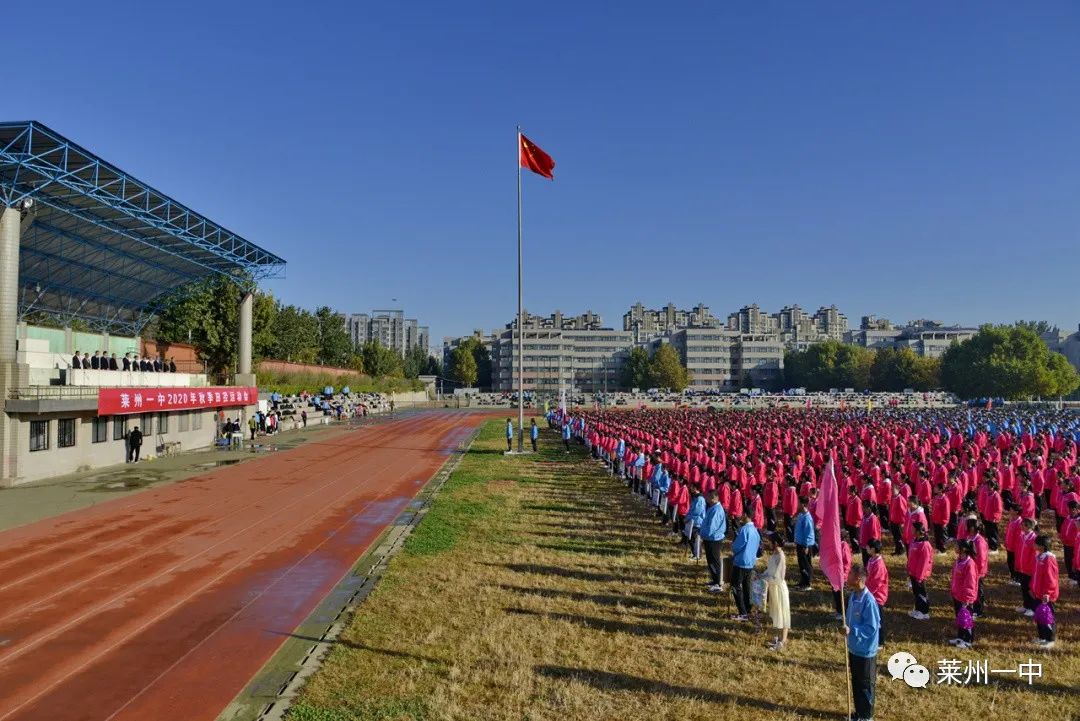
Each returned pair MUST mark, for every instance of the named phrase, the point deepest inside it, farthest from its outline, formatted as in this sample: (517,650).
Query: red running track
(165,603)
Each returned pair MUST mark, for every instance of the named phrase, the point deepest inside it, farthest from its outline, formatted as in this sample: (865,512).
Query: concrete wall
(85,454)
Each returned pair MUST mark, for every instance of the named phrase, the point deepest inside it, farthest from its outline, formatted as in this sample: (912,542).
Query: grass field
(539,588)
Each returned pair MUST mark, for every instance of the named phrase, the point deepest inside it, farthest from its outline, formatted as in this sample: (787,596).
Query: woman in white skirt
(776,589)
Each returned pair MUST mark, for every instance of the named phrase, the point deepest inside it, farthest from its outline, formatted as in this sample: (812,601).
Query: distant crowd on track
(973,480)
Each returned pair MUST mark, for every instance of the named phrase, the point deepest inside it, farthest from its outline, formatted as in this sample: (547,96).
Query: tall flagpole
(521,321)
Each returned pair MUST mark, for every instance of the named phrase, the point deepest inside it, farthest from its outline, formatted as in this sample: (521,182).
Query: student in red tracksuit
(940,514)
(789,505)
(1025,566)
(869,530)
(853,513)
(755,508)
(1044,588)
(990,511)
(915,514)
(1013,530)
(898,509)
(877,582)
(965,590)
(1070,537)
(770,498)
(920,564)
(980,553)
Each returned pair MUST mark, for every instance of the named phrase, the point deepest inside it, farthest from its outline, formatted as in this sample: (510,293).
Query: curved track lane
(164,604)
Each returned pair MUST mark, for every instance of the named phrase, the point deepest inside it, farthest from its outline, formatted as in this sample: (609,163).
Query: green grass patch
(374,710)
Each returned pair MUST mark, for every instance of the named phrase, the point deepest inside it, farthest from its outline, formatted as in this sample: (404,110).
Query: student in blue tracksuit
(862,630)
(692,526)
(566,436)
(509,435)
(713,532)
(661,481)
(534,434)
(805,540)
(744,556)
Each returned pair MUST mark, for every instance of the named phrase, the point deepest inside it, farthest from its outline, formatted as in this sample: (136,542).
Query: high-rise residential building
(709,354)
(390,327)
(646,323)
(751,319)
(830,322)
(586,321)
(929,338)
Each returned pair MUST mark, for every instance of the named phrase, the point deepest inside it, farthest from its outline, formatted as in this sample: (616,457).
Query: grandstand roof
(101,245)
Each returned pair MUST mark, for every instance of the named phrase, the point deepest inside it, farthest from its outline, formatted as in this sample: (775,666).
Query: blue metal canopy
(102,246)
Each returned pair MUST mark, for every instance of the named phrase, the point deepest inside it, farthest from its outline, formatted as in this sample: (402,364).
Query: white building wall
(86,455)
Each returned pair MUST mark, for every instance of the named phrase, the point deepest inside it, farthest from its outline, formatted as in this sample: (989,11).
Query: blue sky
(903,159)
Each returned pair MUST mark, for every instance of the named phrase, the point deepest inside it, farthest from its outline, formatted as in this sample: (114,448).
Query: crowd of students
(975,482)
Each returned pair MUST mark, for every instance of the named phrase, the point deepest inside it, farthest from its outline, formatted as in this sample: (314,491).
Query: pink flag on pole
(828,508)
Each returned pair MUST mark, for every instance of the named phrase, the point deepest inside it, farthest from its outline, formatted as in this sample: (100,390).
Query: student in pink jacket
(1012,542)
(877,582)
(869,530)
(915,515)
(965,591)
(920,564)
(1070,538)
(980,552)
(1025,566)
(1044,587)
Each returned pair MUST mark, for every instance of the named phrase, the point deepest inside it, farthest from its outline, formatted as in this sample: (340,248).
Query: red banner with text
(119,401)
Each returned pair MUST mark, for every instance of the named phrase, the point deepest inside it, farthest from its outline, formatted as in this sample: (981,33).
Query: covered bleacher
(85,244)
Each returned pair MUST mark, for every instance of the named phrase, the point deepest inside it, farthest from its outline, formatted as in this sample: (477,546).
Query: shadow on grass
(609,681)
(603,599)
(645,630)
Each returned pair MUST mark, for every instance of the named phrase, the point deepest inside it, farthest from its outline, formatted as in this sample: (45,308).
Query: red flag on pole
(535,159)
(828,508)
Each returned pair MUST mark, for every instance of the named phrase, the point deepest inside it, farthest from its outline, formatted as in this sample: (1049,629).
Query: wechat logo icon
(902,665)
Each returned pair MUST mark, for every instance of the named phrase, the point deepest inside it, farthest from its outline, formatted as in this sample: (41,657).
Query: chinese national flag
(535,159)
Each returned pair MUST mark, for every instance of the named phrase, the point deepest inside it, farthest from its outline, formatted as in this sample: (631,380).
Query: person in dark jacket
(134,443)
(76,361)
(113,365)
(95,362)
(172,365)
(157,365)
(127,362)
(86,361)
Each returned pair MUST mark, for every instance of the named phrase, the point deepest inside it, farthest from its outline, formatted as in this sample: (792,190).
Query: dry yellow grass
(539,588)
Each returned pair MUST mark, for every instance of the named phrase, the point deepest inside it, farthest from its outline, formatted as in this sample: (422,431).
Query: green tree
(829,364)
(463,366)
(1038,326)
(416,362)
(335,345)
(432,367)
(264,312)
(1006,361)
(207,311)
(637,373)
(668,370)
(380,361)
(296,335)
(483,360)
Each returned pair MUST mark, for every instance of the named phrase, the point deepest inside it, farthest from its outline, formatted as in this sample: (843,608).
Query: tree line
(207,314)
(1002,361)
